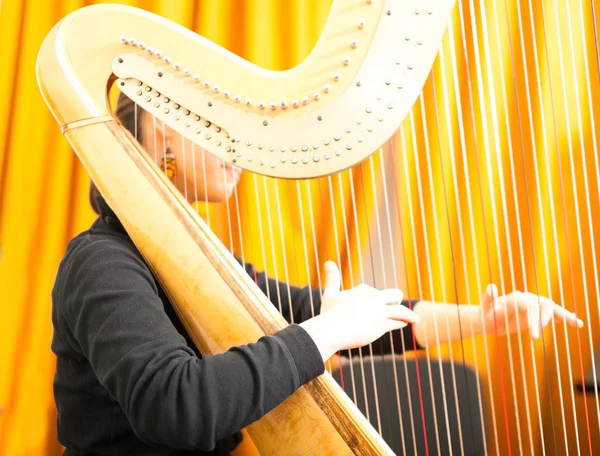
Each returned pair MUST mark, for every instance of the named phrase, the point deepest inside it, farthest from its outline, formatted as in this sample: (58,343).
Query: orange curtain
(496,171)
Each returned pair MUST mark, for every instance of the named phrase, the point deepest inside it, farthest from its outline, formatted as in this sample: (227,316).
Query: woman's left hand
(517,311)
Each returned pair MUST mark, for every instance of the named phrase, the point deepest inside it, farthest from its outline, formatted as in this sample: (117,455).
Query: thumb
(489,298)
(332,279)
(533,317)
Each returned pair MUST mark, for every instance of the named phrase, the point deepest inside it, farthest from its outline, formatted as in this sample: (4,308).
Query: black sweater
(129,380)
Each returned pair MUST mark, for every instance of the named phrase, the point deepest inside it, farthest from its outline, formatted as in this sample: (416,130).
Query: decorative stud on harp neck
(351,78)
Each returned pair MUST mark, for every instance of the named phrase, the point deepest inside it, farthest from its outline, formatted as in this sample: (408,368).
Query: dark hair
(126,114)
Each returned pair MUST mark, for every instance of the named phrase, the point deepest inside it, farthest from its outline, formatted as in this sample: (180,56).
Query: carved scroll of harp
(312,124)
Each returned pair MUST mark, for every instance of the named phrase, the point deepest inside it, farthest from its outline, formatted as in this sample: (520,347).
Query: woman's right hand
(353,318)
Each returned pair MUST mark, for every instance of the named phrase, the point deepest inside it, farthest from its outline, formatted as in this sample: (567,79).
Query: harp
(327,115)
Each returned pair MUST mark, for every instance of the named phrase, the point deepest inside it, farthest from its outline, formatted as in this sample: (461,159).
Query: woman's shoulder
(101,267)
(98,255)
(101,241)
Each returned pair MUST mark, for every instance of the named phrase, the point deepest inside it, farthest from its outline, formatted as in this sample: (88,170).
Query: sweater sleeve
(296,304)
(170,396)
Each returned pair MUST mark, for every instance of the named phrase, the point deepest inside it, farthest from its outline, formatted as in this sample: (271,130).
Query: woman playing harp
(130,381)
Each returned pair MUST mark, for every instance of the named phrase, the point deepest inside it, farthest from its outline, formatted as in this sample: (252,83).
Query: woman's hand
(355,317)
(517,311)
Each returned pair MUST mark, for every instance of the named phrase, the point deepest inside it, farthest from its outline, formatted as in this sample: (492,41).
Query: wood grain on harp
(327,115)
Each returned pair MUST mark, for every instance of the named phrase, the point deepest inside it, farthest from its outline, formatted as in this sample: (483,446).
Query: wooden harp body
(328,114)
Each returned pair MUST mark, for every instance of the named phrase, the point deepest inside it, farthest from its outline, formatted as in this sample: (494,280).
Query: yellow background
(496,170)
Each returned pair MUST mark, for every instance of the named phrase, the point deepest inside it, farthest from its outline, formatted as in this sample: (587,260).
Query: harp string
(207,209)
(362,280)
(408,297)
(351,275)
(317,263)
(539,197)
(251,231)
(372,261)
(164,147)
(227,209)
(282,235)
(593,131)
(260,233)
(450,242)
(184,154)
(516,205)
(328,182)
(595,154)
(487,147)
(308,185)
(472,116)
(369,248)
(429,268)
(553,216)
(513,284)
(295,250)
(457,201)
(494,217)
(396,284)
(349,259)
(239,225)
(304,246)
(155,140)
(429,255)
(587,190)
(596,43)
(451,155)
(383,201)
(535,272)
(272,239)
(135,121)
(311,217)
(412,219)
(554,332)
(563,203)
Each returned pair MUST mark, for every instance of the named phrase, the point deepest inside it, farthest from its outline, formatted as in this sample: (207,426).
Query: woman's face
(199,175)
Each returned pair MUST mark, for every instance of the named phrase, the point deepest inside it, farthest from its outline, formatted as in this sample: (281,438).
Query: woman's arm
(444,323)
(496,315)
(111,313)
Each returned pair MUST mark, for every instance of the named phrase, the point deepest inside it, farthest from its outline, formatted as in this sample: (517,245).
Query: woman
(130,381)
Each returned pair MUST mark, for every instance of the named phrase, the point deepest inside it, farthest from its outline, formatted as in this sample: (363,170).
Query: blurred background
(493,177)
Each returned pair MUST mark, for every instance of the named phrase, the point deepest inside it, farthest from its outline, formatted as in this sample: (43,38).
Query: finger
(533,317)
(547,313)
(332,279)
(391,295)
(545,302)
(512,303)
(556,312)
(568,317)
(489,297)
(402,313)
(391,325)
(563,315)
